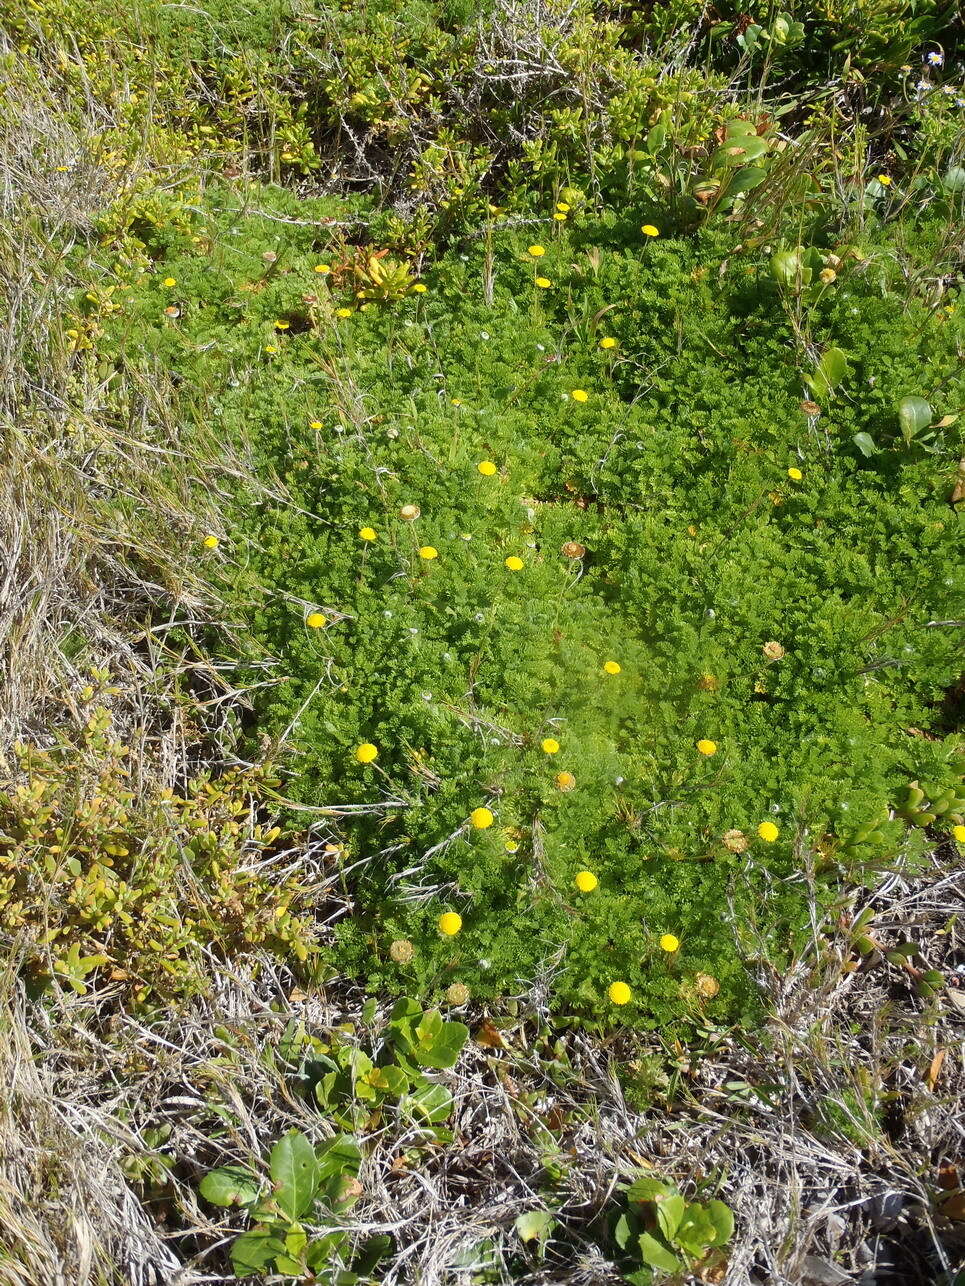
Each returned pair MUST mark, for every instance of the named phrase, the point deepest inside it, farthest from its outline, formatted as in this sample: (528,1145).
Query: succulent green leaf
(295,1172)
(231,1185)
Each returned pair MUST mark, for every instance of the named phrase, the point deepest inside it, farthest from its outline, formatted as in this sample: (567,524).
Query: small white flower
(935,58)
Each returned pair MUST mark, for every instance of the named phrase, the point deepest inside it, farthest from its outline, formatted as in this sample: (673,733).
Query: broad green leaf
(696,1232)
(914,414)
(431,1103)
(657,1255)
(639,1277)
(745,179)
(787,269)
(230,1186)
(648,1189)
(623,1231)
(295,1173)
(339,1156)
(865,444)
(254,1251)
(722,1217)
(739,129)
(440,1043)
(955,179)
(670,1211)
(833,365)
(535,1225)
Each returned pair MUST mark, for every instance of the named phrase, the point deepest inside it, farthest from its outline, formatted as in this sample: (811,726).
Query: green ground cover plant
(578,577)
(481,777)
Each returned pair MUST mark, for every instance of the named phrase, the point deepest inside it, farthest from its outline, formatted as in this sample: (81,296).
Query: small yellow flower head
(457,994)
(707,747)
(419,288)
(735,841)
(315,620)
(795,474)
(323,268)
(611,667)
(560,216)
(169,282)
(708,683)
(281,324)
(481,818)
(270,348)
(402,952)
(210,542)
(457,401)
(586,881)
(649,230)
(544,283)
(366,753)
(828,275)
(580,395)
(511,846)
(486,468)
(315,424)
(450,922)
(768,832)
(367,533)
(343,312)
(565,781)
(884,180)
(537,251)
(550,746)
(958,832)
(670,943)
(513,563)
(428,552)
(563,207)
(619,993)
(773,650)
(608,342)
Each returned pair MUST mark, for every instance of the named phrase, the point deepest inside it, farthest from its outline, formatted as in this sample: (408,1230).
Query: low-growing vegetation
(483,793)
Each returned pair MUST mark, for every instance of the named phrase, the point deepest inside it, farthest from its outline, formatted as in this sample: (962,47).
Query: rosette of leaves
(664,1236)
(309,1186)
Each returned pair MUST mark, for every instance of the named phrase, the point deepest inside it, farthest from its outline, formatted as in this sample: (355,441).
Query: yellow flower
(457,994)
(367,533)
(550,746)
(707,747)
(419,288)
(708,683)
(669,943)
(958,832)
(486,468)
(366,753)
(450,922)
(619,993)
(270,348)
(315,620)
(169,281)
(586,881)
(323,268)
(884,180)
(563,207)
(514,564)
(457,401)
(537,251)
(428,552)
(649,230)
(511,846)
(565,781)
(795,474)
(343,312)
(281,324)
(579,395)
(608,342)
(611,667)
(481,818)
(211,542)
(768,831)
(544,283)
(316,424)
(560,216)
